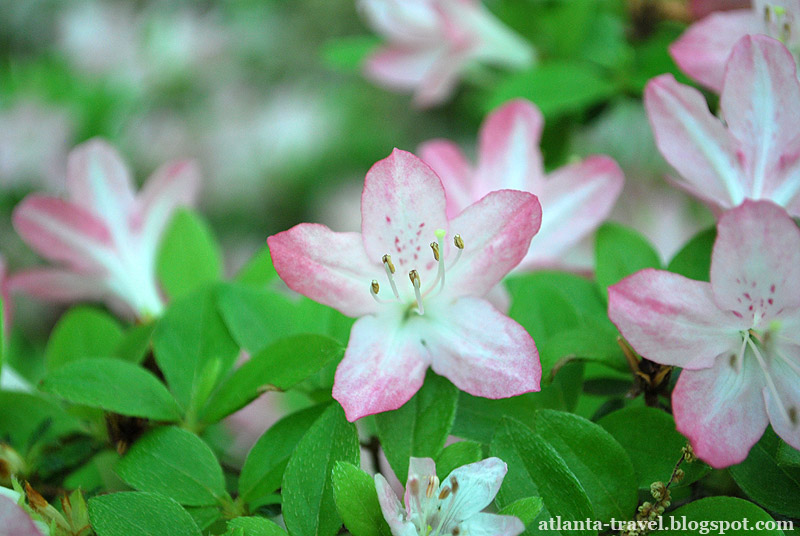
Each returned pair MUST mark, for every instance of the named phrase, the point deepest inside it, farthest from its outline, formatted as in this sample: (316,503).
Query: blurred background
(269,97)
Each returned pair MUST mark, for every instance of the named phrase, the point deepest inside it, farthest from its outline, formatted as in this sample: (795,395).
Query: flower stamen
(389,267)
(413,275)
(374,288)
(770,383)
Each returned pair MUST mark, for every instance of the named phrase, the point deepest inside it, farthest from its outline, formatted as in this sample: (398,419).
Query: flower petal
(475,485)
(383,366)
(99,181)
(492,525)
(575,200)
(172,185)
(703,49)
(457,175)
(785,372)
(391,508)
(401,67)
(328,267)
(58,285)
(673,320)
(509,149)
(693,141)
(721,410)
(497,232)
(755,264)
(421,476)
(761,104)
(482,351)
(15,521)
(62,231)
(402,206)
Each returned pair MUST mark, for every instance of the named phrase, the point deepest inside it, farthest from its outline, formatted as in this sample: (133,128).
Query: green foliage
(419,428)
(175,463)
(82,332)
(278,367)
(254,526)
(189,256)
(456,455)
(764,479)
(27,419)
(653,444)
(347,54)
(139,514)
(357,501)
(526,509)
(711,511)
(309,508)
(620,252)
(263,469)
(113,385)
(694,259)
(526,454)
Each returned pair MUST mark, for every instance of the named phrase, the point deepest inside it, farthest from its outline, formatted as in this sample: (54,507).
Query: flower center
(778,22)
(437,285)
(435,514)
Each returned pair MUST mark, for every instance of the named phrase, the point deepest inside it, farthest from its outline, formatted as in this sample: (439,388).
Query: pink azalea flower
(575,198)
(432,42)
(104,236)
(736,338)
(428,309)
(701,52)
(752,152)
(452,507)
(14,521)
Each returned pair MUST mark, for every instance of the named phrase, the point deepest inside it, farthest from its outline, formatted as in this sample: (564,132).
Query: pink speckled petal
(482,351)
(673,320)
(392,509)
(575,200)
(62,231)
(497,232)
(328,267)
(383,366)
(755,264)
(509,149)
(694,142)
(456,173)
(402,205)
(721,410)
(761,104)
(703,49)
(99,181)
(783,405)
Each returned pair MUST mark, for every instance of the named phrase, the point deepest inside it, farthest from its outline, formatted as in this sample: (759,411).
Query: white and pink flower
(432,42)
(104,237)
(736,338)
(701,52)
(450,507)
(575,199)
(429,309)
(753,151)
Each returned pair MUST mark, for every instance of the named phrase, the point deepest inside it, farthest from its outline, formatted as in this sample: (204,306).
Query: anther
(433,483)
(435,248)
(389,267)
(444,494)
(375,286)
(413,275)
(454,485)
(458,241)
(413,484)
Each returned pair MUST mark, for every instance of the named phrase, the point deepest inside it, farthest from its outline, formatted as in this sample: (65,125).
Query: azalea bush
(400,267)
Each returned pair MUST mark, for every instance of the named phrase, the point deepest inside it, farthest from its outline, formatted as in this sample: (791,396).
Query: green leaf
(258,271)
(787,455)
(620,252)
(773,486)
(357,501)
(652,443)
(193,348)
(263,469)
(456,455)
(347,54)
(189,256)
(113,385)
(710,513)
(598,461)
(526,509)
(557,88)
(419,428)
(135,343)
(139,514)
(694,259)
(27,418)
(278,367)
(536,470)
(256,526)
(176,463)
(308,504)
(97,474)
(82,332)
